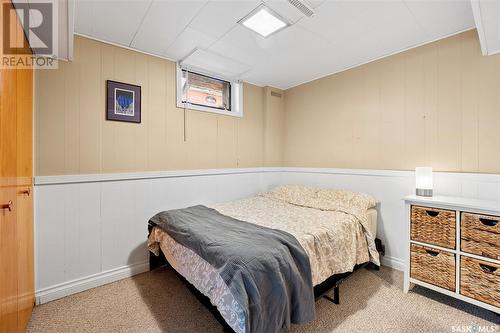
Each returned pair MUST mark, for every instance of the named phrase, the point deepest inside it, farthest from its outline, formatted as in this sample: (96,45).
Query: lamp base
(424,192)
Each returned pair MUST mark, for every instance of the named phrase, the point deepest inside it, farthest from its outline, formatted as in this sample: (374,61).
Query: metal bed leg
(336,296)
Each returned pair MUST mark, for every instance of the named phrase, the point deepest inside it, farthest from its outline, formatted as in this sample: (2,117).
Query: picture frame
(123,101)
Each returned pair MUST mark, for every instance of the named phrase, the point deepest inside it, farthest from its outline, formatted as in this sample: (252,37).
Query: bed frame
(320,291)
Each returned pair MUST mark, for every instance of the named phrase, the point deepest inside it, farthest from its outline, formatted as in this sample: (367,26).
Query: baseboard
(75,286)
(392,262)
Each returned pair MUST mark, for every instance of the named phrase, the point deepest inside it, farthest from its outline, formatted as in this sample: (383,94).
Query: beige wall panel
(91,106)
(125,133)
(448,108)
(227,148)
(297,122)
(366,114)
(251,128)
(470,103)
(141,132)
(274,121)
(109,160)
(201,140)
(50,155)
(71,120)
(176,139)
(73,135)
(414,122)
(489,114)
(341,136)
(157,127)
(430,97)
(434,105)
(392,106)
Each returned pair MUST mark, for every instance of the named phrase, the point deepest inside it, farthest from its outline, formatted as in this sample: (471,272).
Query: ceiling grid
(340,35)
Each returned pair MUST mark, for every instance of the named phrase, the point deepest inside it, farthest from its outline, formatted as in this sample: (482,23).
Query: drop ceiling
(340,35)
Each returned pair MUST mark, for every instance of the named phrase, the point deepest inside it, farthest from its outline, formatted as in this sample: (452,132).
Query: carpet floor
(158,301)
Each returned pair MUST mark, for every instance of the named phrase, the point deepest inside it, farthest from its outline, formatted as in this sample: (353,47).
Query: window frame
(235,97)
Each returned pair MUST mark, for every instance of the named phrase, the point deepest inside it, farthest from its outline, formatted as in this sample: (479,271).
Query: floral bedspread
(331,226)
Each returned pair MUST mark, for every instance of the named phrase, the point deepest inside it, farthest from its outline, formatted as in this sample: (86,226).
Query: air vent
(275,94)
(303,7)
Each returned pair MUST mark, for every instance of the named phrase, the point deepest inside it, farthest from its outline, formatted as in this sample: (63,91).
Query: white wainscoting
(389,187)
(91,229)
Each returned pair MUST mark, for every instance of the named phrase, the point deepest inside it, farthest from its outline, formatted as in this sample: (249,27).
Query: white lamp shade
(423,177)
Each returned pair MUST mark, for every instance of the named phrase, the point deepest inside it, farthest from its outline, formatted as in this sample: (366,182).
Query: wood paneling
(434,105)
(73,136)
(274,131)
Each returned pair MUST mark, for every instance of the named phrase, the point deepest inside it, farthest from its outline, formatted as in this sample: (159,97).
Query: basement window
(210,93)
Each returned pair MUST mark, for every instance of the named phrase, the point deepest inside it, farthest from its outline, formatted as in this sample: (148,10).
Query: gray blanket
(266,270)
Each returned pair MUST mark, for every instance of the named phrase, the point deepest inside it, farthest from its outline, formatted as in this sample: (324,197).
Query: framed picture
(123,102)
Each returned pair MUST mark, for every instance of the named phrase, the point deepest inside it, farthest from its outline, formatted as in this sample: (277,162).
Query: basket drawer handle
(432,253)
(488,222)
(487,268)
(432,213)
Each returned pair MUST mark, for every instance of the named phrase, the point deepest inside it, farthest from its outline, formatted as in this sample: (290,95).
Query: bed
(335,229)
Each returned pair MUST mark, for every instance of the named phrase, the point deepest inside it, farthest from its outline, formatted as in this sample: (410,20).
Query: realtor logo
(29,36)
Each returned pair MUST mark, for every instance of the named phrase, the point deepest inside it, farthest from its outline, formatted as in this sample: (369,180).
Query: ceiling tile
(285,9)
(337,22)
(211,62)
(186,42)
(285,63)
(244,45)
(110,20)
(83,17)
(315,3)
(392,23)
(218,17)
(164,22)
(442,17)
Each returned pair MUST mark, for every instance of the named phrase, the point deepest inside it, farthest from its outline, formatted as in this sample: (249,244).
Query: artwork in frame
(123,102)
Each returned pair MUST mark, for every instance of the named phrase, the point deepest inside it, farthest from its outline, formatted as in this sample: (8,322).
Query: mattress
(328,255)
(372,221)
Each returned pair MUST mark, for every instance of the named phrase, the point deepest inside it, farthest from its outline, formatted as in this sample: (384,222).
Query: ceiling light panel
(264,21)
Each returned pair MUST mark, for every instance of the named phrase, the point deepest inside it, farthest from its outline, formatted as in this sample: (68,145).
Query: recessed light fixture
(264,21)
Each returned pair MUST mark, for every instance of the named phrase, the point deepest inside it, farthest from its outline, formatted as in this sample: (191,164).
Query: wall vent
(303,7)
(275,94)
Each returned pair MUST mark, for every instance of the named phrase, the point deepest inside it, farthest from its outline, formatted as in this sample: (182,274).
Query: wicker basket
(433,266)
(433,226)
(481,235)
(480,280)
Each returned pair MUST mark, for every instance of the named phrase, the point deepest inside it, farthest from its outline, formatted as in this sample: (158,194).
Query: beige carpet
(159,302)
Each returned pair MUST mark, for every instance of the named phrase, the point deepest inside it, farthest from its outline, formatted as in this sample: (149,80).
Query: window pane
(203,90)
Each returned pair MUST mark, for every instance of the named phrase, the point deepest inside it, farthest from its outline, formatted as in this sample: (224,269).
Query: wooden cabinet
(453,248)
(16,197)
(8,260)
(25,260)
